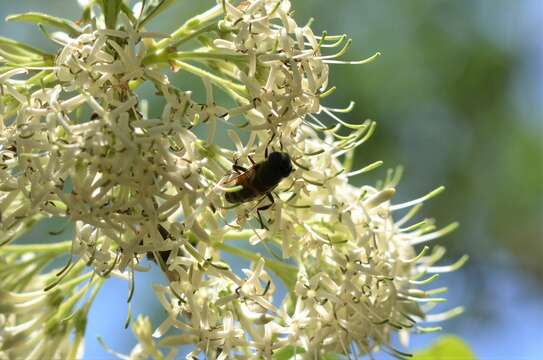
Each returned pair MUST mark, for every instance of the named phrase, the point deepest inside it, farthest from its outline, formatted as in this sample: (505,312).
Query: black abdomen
(246,194)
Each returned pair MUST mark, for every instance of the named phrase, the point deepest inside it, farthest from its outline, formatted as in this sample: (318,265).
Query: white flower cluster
(77,142)
(285,74)
(82,149)
(38,324)
(356,277)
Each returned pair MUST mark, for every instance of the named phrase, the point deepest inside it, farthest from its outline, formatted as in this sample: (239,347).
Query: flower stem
(193,27)
(166,57)
(239,235)
(56,248)
(223,83)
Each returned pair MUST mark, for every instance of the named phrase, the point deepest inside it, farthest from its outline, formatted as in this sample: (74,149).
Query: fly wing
(242,178)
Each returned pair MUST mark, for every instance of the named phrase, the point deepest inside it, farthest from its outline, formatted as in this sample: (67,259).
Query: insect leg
(268,145)
(260,219)
(265,207)
(237,168)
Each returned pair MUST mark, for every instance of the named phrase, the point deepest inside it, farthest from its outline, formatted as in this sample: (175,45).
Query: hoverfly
(259,180)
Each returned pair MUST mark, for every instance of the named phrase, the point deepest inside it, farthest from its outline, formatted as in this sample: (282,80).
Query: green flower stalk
(76,142)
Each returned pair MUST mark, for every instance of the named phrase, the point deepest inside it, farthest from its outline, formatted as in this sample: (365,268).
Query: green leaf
(128,12)
(287,353)
(20,49)
(154,9)
(65,25)
(111,10)
(447,347)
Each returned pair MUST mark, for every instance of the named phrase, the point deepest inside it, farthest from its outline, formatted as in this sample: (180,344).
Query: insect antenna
(268,144)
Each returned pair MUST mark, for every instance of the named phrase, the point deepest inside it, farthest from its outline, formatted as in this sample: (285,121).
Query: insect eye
(286,165)
(274,157)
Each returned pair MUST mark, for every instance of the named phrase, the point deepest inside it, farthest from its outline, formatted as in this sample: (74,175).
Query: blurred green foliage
(446,347)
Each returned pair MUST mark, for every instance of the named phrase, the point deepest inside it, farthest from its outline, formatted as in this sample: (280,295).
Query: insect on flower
(244,5)
(259,180)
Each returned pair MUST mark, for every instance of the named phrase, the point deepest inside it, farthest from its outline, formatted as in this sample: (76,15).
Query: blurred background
(458,97)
